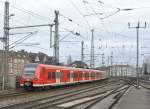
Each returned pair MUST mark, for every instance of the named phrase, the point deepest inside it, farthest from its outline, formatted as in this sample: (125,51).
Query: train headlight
(27,83)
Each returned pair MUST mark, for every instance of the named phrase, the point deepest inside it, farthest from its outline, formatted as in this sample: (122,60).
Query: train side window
(53,75)
(86,75)
(80,74)
(49,75)
(83,74)
(97,75)
(75,75)
(68,75)
(61,74)
(92,74)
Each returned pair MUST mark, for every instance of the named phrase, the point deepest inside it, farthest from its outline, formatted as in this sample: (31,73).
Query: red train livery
(40,75)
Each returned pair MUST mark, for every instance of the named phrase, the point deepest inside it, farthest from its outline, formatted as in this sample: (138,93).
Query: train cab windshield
(29,69)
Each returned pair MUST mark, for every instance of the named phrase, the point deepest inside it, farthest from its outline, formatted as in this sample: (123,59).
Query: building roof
(78,64)
(32,57)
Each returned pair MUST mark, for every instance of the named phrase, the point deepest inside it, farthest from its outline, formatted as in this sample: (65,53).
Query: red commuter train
(41,75)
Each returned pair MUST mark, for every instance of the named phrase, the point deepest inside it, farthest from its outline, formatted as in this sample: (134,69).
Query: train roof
(61,67)
(65,67)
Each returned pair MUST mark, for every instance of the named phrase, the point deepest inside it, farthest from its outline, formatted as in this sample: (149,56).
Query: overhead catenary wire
(72,3)
(64,37)
(75,33)
(23,39)
(77,24)
(104,27)
(33,14)
(72,21)
(44,5)
(38,47)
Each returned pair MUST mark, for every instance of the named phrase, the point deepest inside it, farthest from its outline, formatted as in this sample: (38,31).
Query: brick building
(16,61)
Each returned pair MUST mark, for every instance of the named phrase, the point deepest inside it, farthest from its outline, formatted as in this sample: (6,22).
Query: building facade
(119,70)
(16,61)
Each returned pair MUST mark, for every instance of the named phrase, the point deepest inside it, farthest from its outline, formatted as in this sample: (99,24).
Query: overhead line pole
(111,62)
(82,51)
(103,62)
(51,34)
(5,41)
(32,26)
(92,50)
(56,38)
(137,53)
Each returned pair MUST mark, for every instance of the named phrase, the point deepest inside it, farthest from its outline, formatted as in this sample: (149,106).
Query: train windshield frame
(29,69)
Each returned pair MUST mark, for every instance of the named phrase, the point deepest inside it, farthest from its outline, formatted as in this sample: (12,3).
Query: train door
(51,77)
(83,75)
(58,76)
(89,76)
(86,75)
(75,76)
(79,75)
(71,76)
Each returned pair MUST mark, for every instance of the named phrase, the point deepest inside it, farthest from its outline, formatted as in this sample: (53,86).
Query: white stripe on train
(62,83)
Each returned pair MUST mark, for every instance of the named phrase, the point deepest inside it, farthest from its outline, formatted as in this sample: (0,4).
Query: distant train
(40,75)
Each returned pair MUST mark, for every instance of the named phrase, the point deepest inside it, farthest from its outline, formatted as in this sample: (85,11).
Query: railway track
(13,93)
(105,101)
(66,97)
(58,97)
(8,95)
(145,84)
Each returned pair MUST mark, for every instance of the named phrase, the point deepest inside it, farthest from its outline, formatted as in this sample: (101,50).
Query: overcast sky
(110,26)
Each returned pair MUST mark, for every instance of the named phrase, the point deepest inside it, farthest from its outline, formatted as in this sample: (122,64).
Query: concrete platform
(135,99)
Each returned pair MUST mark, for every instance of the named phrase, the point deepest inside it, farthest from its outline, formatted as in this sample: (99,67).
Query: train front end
(29,76)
